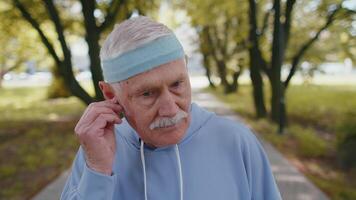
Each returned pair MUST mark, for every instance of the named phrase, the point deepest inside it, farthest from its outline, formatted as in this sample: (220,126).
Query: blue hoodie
(217,159)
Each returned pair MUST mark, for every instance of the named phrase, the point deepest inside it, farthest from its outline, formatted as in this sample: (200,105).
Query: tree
(221,40)
(97,17)
(282,22)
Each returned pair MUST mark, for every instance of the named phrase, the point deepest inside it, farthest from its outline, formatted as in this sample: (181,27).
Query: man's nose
(167,104)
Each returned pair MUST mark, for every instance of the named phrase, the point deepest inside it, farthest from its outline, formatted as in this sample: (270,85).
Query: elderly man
(165,147)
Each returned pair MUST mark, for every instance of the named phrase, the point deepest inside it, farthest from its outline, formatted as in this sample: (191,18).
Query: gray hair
(131,34)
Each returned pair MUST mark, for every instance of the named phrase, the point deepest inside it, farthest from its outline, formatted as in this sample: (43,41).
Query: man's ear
(107,90)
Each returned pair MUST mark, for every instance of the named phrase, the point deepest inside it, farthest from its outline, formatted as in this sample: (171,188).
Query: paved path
(292,184)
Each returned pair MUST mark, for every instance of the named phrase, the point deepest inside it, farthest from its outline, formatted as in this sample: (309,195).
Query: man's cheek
(130,117)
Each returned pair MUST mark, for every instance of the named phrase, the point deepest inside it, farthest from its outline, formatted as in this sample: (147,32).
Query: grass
(19,104)
(36,139)
(320,106)
(315,114)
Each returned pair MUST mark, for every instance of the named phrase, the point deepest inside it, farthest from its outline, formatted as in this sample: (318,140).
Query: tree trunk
(72,84)
(257,86)
(256,63)
(276,63)
(207,66)
(275,98)
(57,88)
(235,83)
(282,112)
(92,39)
(222,75)
(278,113)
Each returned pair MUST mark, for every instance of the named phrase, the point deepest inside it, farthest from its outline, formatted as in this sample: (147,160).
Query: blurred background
(288,69)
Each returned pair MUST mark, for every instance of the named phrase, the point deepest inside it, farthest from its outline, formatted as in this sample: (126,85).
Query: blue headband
(143,58)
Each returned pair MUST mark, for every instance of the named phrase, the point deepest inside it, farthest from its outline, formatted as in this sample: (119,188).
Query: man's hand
(95,131)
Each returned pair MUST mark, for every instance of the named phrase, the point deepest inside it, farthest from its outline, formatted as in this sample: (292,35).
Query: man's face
(154,95)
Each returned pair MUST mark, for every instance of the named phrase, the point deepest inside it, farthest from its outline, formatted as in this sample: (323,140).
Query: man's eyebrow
(142,88)
(146,87)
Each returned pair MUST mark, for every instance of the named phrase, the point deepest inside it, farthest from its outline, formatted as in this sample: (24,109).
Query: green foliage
(346,141)
(308,143)
(18,40)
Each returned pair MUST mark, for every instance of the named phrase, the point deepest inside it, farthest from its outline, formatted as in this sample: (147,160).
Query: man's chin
(170,135)
(168,143)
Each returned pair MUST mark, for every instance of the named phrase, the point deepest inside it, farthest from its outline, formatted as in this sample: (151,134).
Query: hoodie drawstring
(144,170)
(180,172)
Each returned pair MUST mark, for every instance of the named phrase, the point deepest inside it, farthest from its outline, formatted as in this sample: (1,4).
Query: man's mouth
(167,126)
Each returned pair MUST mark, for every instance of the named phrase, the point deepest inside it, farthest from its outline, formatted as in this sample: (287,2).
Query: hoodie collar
(198,118)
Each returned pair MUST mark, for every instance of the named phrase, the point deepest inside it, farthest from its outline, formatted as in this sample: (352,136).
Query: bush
(346,141)
(309,144)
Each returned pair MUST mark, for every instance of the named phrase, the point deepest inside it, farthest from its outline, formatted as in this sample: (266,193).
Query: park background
(287,68)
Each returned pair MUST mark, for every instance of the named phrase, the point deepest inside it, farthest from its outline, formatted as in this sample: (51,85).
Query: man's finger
(115,107)
(103,120)
(95,112)
(111,103)
(98,126)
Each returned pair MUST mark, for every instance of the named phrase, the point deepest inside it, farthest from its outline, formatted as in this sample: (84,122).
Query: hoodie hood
(199,117)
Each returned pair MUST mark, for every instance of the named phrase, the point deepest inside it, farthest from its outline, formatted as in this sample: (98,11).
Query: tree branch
(264,27)
(16,65)
(52,11)
(112,12)
(287,23)
(297,57)
(36,26)
(239,47)
(226,35)
(88,7)
(216,41)
(264,65)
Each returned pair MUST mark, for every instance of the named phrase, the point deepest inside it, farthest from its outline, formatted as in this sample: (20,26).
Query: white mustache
(169,121)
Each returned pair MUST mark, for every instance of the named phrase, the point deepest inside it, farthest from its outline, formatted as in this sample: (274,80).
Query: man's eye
(147,94)
(176,84)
